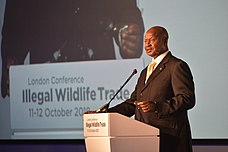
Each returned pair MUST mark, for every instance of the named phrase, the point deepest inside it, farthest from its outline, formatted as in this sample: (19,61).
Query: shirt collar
(160,58)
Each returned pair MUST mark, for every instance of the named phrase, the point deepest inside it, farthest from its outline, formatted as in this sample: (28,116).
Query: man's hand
(90,112)
(131,41)
(146,106)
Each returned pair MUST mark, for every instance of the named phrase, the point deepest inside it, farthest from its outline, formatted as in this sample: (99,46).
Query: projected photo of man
(45,31)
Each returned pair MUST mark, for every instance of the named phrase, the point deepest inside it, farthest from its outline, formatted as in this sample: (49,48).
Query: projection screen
(49,92)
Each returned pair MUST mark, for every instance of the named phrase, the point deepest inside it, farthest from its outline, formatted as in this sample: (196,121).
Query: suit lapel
(161,66)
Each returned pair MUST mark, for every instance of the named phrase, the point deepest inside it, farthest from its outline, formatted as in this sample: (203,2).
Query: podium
(113,132)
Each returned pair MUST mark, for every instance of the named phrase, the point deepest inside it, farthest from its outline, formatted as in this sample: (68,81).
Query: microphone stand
(105,107)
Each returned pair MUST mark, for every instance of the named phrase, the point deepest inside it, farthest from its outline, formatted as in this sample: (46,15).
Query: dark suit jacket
(170,88)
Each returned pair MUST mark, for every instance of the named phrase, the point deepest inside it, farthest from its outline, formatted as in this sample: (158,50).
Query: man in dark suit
(71,30)
(165,97)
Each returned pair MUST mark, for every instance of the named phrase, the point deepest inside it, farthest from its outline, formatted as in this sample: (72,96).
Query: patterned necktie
(150,70)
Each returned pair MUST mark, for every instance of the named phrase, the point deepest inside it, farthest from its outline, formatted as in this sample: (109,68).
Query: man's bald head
(156,41)
(158,32)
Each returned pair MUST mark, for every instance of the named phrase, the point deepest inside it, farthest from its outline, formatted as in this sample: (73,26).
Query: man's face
(154,45)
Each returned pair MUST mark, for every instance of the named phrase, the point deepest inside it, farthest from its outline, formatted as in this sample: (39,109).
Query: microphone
(105,107)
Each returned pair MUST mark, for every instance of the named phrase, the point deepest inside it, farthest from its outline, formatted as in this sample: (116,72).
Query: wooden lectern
(113,132)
